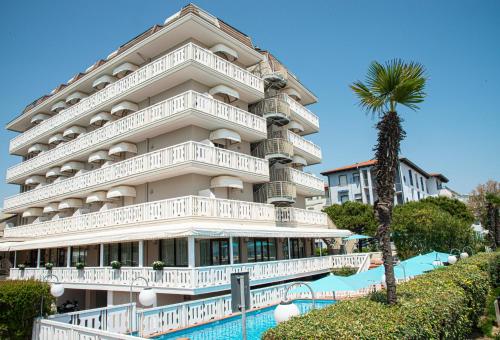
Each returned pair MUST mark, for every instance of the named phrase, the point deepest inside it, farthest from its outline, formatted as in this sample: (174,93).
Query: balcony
(289,216)
(189,157)
(275,150)
(276,110)
(302,114)
(187,62)
(163,211)
(306,184)
(187,108)
(192,281)
(301,146)
(279,193)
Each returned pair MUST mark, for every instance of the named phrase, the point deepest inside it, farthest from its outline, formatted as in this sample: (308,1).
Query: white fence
(300,216)
(135,81)
(302,111)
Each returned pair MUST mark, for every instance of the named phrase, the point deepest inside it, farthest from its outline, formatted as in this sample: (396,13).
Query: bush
(354,216)
(443,304)
(49,265)
(344,271)
(80,265)
(116,264)
(20,304)
(158,265)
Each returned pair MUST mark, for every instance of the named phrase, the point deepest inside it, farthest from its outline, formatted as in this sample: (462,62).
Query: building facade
(356,182)
(185,145)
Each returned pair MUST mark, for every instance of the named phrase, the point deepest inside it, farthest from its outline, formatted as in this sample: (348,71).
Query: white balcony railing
(303,144)
(136,80)
(144,164)
(289,215)
(138,122)
(198,278)
(157,211)
(306,180)
(302,111)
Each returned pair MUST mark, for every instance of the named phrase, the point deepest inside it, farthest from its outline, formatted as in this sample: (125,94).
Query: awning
(226,182)
(51,207)
(70,203)
(295,126)
(72,166)
(121,191)
(39,117)
(74,131)
(223,89)
(56,139)
(75,97)
(293,93)
(53,172)
(35,179)
(58,107)
(356,237)
(124,69)
(101,118)
(7,246)
(230,135)
(103,81)
(123,108)
(230,54)
(99,156)
(33,212)
(98,196)
(299,160)
(37,148)
(159,231)
(122,147)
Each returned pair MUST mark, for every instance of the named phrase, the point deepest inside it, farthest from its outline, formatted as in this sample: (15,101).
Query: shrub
(158,265)
(49,265)
(344,271)
(354,216)
(20,304)
(443,304)
(80,265)
(21,266)
(116,264)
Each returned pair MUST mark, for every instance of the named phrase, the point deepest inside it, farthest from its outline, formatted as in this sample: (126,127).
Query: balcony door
(214,252)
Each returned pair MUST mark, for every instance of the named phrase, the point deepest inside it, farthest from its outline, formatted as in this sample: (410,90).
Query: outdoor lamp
(464,255)
(147,297)
(285,311)
(56,290)
(452,259)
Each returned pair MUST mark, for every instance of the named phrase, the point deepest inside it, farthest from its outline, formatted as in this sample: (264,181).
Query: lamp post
(452,259)
(464,254)
(287,309)
(56,290)
(146,296)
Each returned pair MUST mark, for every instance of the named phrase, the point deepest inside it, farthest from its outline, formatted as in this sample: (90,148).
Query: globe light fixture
(452,259)
(147,297)
(285,311)
(56,290)
(464,255)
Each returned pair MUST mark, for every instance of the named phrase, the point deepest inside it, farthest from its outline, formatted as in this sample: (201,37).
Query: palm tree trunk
(390,134)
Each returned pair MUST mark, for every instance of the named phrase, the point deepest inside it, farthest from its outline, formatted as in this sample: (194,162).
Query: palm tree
(386,86)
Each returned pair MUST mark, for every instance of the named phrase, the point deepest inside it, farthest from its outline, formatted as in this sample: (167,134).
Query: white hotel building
(356,182)
(186,144)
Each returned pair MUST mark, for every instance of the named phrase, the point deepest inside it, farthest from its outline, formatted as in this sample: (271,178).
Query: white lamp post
(147,297)
(56,290)
(287,309)
(464,254)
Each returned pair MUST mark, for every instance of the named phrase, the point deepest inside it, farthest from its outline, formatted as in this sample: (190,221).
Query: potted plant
(116,264)
(21,266)
(80,265)
(158,265)
(49,265)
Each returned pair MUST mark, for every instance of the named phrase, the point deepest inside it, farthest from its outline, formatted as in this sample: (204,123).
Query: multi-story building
(318,203)
(356,182)
(186,145)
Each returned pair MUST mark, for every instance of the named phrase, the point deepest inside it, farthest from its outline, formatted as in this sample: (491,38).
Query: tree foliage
(477,201)
(354,216)
(439,224)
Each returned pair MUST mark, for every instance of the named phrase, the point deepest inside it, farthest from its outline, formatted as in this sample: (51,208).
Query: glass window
(416,180)
(342,180)
(214,252)
(127,253)
(343,196)
(298,248)
(205,253)
(285,249)
(236,250)
(355,178)
(410,176)
(78,254)
(422,184)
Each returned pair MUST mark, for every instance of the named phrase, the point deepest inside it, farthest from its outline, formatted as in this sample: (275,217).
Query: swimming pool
(257,323)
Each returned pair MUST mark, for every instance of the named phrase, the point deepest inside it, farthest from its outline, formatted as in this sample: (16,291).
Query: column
(38,258)
(15,259)
(370,185)
(141,253)
(362,186)
(231,260)
(191,252)
(68,257)
(289,249)
(101,255)
(110,298)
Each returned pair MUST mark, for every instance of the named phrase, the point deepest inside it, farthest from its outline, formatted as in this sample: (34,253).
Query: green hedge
(20,304)
(443,304)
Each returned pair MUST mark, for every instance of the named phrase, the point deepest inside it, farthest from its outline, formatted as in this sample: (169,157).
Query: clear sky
(327,44)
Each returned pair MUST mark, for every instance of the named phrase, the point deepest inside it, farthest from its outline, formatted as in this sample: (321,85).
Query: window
(127,253)
(285,249)
(358,198)
(410,176)
(57,256)
(174,252)
(298,248)
(78,254)
(418,195)
(236,250)
(404,179)
(342,180)
(399,198)
(355,179)
(416,180)
(214,252)
(261,249)
(343,196)
(365,178)
(422,184)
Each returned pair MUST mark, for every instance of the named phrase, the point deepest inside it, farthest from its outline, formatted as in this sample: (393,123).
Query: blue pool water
(257,323)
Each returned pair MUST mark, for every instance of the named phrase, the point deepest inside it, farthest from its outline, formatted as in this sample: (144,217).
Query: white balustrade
(303,144)
(301,111)
(54,330)
(307,180)
(134,81)
(142,165)
(157,211)
(139,122)
(300,216)
(196,278)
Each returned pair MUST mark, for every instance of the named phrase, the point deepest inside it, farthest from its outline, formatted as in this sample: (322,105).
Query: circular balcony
(279,193)
(275,150)
(276,110)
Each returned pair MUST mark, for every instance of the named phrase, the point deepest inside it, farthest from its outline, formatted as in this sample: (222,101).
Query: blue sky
(328,44)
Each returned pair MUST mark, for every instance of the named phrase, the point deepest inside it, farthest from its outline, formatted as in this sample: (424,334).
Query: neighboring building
(356,182)
(184,145)
(318,203)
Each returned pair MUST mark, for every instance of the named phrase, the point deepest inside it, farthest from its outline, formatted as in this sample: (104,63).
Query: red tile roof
(350,167)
